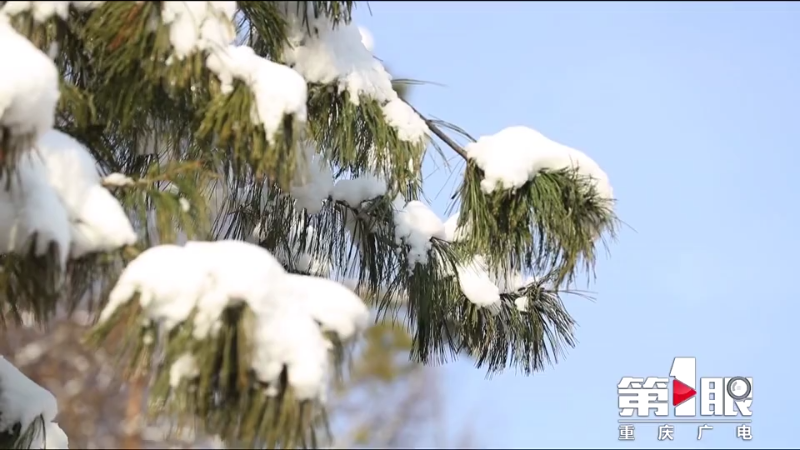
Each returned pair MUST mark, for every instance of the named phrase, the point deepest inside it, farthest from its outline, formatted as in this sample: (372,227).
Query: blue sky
(693,109)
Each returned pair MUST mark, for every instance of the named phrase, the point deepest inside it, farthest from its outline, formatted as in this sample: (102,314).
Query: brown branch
(442,135)
(133,413)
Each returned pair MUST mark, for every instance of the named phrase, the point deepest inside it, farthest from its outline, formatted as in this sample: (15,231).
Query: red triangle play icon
(681,392)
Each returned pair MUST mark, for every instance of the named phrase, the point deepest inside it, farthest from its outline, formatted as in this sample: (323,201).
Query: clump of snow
(453,232)
(54,438)
(477,285)
(56,195)
(97,221)
(208,27)
(342,55)
(185,367)
(512,157)
(332,304)
(205,277)
(356,191)
(313,181)
(42,11)
(28,86)
(197,26)
(409,125)
(278,89)
(366,39)
(22,400)
(117,180)
(521,303)
(31,207)
(415,225)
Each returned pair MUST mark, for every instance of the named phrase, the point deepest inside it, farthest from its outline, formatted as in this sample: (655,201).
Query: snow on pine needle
(97,221)
(31,409)
(340,55)
(518,179)
(28,92)
(208,27)
(204,300)
(55,197)
(515,155)
(42,11)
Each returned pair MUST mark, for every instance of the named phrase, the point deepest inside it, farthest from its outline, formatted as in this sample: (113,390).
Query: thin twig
(442,135)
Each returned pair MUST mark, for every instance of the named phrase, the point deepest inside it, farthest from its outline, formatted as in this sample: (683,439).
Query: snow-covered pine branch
(220,165)
(27,413)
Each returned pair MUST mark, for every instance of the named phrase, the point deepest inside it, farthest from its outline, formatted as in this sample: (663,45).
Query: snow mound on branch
(56,197)
(198,26)
(97,221)
(28,85)
(22,401)
(209,27)
(415,225)
(31,209)
(278,90)
(341,55)
(42,11)
(512,157)
(367,39)
(356,191)
(312,182)
(205,277)
(54,438)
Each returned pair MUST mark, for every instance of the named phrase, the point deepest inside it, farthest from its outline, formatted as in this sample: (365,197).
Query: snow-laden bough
(560,195)
(30,407)
(233,298)
(56,197)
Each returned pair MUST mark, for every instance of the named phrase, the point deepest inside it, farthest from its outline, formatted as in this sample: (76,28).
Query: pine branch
(442,135)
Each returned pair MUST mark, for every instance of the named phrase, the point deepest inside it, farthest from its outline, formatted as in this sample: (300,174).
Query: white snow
(313,181)
(22,400)
(337,308)
(343,56)
(453,232)
(32,206)
(98,222)
(477,285)
(118,180)
(54,438)
(56,194)
(516,154)
(415,225)
(197,26)
(205,277)
(208,27)
(184,204)
(278,89)
(367,39)
(42,11)
(356,191)
(28,86)
(185,367)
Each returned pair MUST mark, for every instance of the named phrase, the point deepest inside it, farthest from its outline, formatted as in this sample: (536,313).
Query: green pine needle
(17,438)
(225,398)
(550,224)
(357,137)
